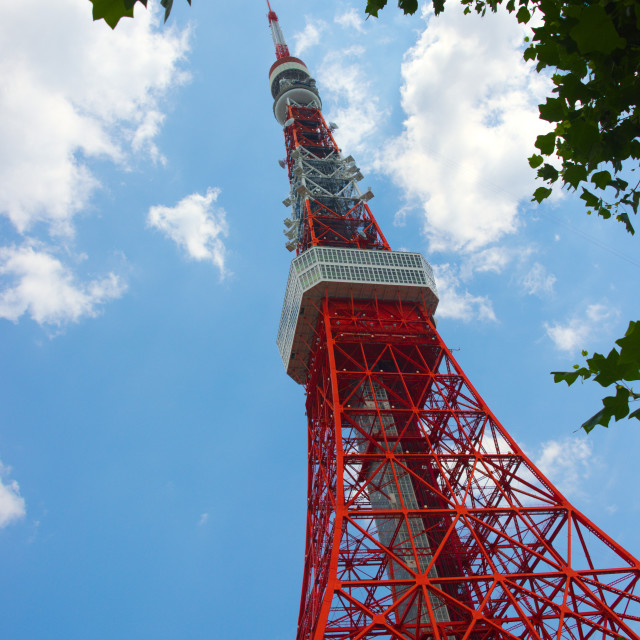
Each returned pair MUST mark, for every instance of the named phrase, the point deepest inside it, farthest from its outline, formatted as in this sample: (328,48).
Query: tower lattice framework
(425,519)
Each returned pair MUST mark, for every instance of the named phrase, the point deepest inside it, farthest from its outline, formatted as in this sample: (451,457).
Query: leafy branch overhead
(593,49)
(112,10)
(618,368)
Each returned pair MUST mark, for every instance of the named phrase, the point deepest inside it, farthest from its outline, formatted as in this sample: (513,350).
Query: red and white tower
(425,520)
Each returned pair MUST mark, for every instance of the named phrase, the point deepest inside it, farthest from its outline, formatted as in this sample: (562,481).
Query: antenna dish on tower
(288,122)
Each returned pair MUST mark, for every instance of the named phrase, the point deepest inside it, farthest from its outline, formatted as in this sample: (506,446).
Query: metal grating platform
(320,271)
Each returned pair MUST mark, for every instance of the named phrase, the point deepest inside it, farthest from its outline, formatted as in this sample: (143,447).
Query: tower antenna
(282,50)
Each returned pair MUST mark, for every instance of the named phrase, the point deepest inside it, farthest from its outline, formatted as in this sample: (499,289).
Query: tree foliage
(592,48)
(618,368)
(112,10)
(595,50)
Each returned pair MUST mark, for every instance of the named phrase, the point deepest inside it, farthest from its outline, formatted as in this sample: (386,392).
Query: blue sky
(152,448)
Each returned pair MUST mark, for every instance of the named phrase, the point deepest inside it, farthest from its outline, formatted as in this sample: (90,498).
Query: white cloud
(72,90)
(567,463)
(349,100)
(574,333)
(456,304)
(538,281)
(36,282)
(471,106)
(144,135)
(203,519)
(12,505)
(196,225)
(493,259)
(350,19)
(308,37)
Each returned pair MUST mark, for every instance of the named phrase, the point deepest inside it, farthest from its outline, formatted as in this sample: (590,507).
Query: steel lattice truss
(328,207)
(426,520)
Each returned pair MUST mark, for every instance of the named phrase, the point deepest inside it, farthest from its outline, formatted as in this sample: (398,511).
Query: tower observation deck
(425,520)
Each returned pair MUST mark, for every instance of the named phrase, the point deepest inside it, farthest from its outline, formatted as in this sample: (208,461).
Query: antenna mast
(282,51)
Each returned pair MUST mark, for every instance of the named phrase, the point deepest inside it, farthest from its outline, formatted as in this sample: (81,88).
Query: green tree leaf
(408,6)
(574,174)
(617,368)
(523,15)
(567,376)
(373,6)
(618,405)
(548,172)
(111,11)
(546,143)
(595,31)
(535,161)
(589,198)
(624,217)
(602,417)
(540,194)
(601,179)
(630,348)
(553,110)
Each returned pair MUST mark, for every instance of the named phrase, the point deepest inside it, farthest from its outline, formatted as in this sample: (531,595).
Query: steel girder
(425,518)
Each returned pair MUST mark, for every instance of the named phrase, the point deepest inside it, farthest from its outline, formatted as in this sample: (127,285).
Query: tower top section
(289,79)
(282,51)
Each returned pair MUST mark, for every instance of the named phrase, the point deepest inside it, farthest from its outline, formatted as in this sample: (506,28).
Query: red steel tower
(425,520)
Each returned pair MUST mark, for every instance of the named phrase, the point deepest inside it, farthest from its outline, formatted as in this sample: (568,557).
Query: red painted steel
(282,51)
(322,225)
(425,518)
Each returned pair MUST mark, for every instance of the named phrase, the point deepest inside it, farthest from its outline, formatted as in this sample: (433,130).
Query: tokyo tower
(425,520)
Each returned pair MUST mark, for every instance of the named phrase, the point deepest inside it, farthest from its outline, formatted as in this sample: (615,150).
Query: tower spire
(282,50)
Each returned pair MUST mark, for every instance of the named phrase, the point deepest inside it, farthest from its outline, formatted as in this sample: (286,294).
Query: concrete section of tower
(425,518)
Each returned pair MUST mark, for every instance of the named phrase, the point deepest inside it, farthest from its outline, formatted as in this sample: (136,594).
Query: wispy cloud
(538,281)
(308,37)
(573,334)
(35,282)
(12,504)
(351,19)
(350,100)
(471,120)
(491,260)
(204,517)
(456,303)
(196,225)
(567,463)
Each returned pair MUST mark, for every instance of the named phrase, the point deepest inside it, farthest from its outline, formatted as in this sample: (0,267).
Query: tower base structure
(425,518)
